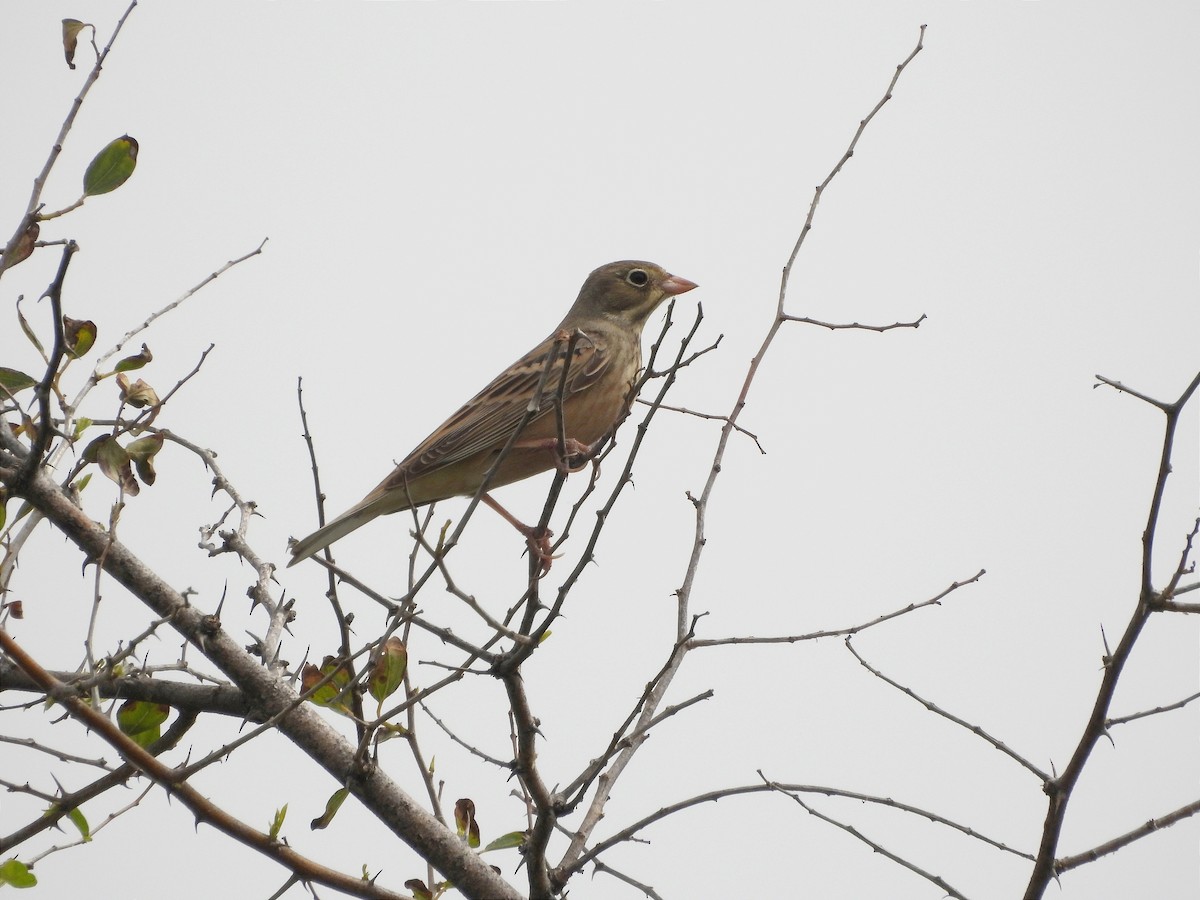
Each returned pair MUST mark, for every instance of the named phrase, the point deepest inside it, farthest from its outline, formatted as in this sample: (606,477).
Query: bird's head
(628,291)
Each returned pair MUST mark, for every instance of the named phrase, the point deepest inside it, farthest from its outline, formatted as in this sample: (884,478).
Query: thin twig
(45,429)
(1059,791)
(934,708)
(916,323)
(631,831)
(838,632)
(1178,704)
(710,416)
(39,183)
(1124,840)
(595,810)
(197,803)
(874,845)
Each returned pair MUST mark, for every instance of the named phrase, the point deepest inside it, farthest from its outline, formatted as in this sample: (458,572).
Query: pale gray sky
(436,179)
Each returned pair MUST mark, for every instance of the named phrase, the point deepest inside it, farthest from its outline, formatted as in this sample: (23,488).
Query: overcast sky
(436,180)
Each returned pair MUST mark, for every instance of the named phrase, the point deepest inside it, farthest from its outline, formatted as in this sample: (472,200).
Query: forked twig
(595,810)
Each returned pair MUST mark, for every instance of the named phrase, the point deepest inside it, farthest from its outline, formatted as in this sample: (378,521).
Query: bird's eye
(638,277)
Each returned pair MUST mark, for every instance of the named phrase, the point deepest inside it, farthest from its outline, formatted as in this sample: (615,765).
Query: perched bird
(603,333)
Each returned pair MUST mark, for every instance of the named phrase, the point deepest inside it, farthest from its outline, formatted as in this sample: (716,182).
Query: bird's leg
(572,449)
(537,538)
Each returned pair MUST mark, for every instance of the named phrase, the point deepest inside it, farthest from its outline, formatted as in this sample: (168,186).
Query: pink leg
(562,463)
(538,538)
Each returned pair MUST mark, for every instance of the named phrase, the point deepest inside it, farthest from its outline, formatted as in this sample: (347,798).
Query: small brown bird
(603,331)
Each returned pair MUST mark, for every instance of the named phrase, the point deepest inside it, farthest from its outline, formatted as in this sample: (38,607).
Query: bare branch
(695,643)
(916,323)
(62,755)
(1059,790)
(622,739)
(605,782)
(1178,704)
(182,298)
(300,724)
(874,845)
(196,802)
(609,870)
(45,429)
(934,708)
(699,415)
(1070,862)
(35,197)
(506,764)
(63,804)
(629,832)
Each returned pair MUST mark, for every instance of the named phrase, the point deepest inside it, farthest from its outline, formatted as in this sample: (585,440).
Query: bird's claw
(572,450)
(539,547)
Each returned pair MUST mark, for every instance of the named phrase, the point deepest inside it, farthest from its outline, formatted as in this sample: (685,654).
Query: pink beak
(673,285)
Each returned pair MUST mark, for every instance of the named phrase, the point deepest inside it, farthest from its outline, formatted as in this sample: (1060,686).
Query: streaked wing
(489,419)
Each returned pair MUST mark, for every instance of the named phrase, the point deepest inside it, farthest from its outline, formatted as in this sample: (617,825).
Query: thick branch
(303,725)
(170,778)
(1059,790)
(65,803)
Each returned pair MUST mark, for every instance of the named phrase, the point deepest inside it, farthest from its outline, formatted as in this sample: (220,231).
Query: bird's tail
(340,527)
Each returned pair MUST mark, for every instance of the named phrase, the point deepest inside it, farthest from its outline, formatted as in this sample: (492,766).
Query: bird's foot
(538,540)
(573,457)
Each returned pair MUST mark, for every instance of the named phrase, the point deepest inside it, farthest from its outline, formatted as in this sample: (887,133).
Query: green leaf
(277,822)
(112,167)
(22,511)
(129,363)
(79,335)
(387,672)
(389,730)
(506,841)
(25,243)
(33,339)
(139,395)
(332,805)
(82,424)
(333,692)
(80,821)
(142,453)
(13,380)
(70,38)
(17,874)
(464,821)
(113,462)
(141,719)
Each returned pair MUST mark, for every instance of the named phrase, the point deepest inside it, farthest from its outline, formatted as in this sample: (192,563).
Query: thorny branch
(595,810)
(39,183)
(45,430)
(847,631)
(934,708)
(197,803)
(548,805)
(876,847)
(1059,790)
(68,801)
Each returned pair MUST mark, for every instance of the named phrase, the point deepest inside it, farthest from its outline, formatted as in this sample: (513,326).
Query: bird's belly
(586,420)
(588,416)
